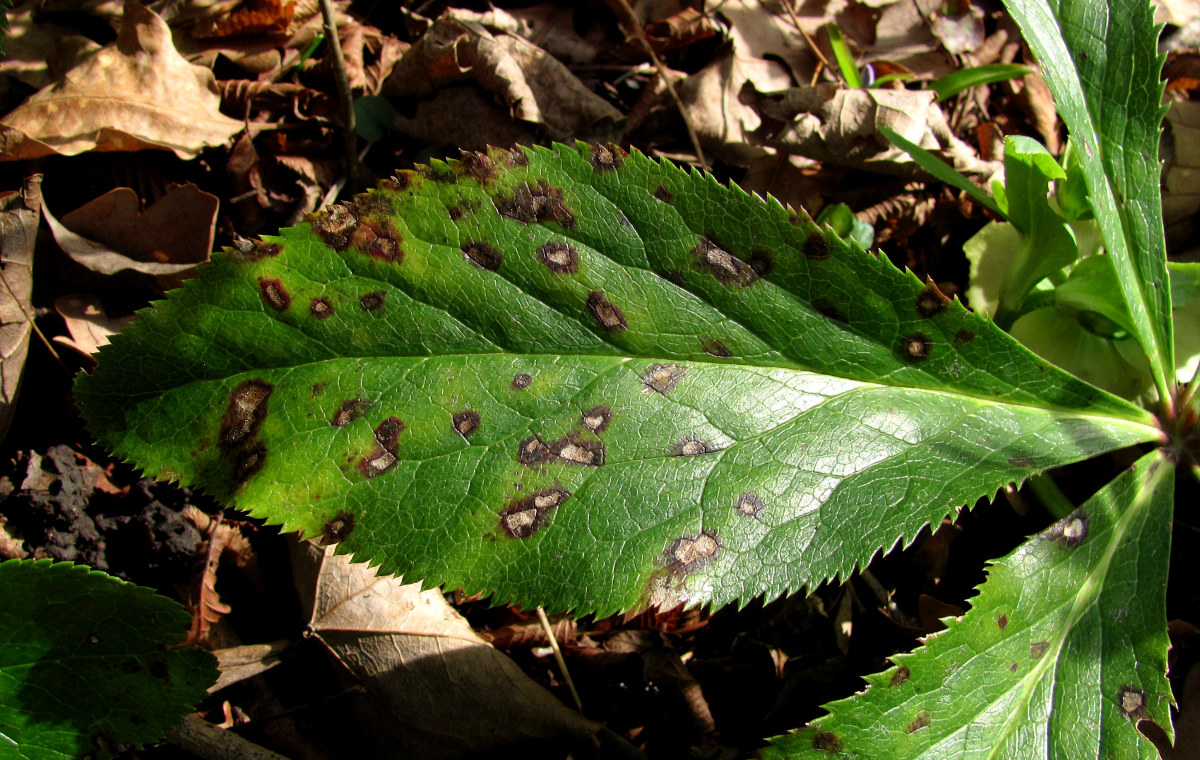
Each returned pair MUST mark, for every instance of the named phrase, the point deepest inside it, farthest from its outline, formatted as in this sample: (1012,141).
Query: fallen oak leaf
(87,323)
(136,93)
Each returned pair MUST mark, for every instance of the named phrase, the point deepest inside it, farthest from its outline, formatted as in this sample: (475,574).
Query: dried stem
(349,133)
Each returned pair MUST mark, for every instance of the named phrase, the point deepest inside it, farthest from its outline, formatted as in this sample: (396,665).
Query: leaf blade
(519,298)
(1089,588)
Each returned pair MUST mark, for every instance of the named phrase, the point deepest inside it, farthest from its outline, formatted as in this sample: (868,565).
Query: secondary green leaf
(1047,243)
(940,169)
(963,79)
(1097,60)
(86,663)
(1067,649)
(587,379)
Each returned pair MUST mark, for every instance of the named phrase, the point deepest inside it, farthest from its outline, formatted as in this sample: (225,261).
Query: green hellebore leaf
(86,662)
(1047,243)
(1067,645)
(589,380)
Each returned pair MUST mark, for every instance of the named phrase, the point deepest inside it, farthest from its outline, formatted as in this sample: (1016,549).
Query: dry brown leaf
(220,538)
(87,323)
(447,691)
(840,127)
(19,213)
(252,17)
(137,93)
(530,633)
(110,233)
(533,85)
(38,53)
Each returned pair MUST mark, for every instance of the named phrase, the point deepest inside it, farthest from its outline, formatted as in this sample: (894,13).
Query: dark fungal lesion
(662,378)
(274,294)
(560,258)
(691,446)
(255,250)
(372,301)
(606,314)
(931,301)
(537,204)
(386,452)
(525,517)
(240,426)
(816,247)
(320,308)
(339,527)
(915,347)
(349,411)
(714,347)
(466,422)
(709,256)
(596,419)
(521,381)
(750,504)
(571,449)
(606,158)
(482,255)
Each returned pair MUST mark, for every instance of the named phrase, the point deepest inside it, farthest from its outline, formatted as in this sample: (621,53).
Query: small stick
(349,135)
(558,656)
(631,20)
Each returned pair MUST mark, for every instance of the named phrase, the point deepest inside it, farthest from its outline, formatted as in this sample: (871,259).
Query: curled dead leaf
(137,93)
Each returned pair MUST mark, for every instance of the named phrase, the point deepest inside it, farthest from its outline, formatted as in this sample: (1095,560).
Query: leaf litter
(251,121)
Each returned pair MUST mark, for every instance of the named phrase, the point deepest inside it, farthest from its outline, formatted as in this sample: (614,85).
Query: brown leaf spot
(607,157)
(1038,649)
(663,194)
(827,741)
(605,313)
(559,258)
(378,240)
(534,451)
(1025,462)
(691,553)
(597,418)
(256,250)
(714,347)
(673,276)
(337,529)
(320,308)
(248,461)
(537,204)
(521,382)
(1070,531)
(350,411)
(478,166)
(720,263)
(245,413)
(662,378)
(387,433)
(762,262)
(900,676)
(386,452)
(1002,622)
(397,184)
(274,294)
(482,255)
(922,721)
(816,247)
(516,157)
(523,518)
(465,423)
(1133,702)
(963,337)
(334,225)
(1013,668)
(826,308)
(931,301)
(915,348)
(319,388)
(160,670)
(749,504)
(571,449)
(373,300)
(455,213)
(690,447)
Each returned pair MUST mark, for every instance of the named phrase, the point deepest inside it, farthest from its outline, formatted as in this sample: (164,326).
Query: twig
(349,135)
(632,22)
(812,44)
(558,657)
